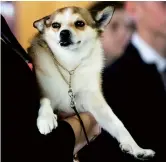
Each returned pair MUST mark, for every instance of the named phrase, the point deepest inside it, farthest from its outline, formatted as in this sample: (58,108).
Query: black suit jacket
(21,140)
(135,92)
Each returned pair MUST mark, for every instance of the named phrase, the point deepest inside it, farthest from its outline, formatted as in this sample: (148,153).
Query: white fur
(47,120)
(85,84)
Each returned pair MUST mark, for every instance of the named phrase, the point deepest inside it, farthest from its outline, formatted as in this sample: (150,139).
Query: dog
(68,59)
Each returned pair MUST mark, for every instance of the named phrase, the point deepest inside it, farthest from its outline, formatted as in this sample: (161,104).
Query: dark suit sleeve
(21,140)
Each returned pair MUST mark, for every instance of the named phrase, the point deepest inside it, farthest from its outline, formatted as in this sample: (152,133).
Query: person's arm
(91,126)
(67,139)
(20,108)
(20,112)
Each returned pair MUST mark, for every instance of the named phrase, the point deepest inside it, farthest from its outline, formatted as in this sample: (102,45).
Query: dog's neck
(72,58)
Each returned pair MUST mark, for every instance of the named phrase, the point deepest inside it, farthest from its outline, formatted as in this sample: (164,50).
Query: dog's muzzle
(65,38)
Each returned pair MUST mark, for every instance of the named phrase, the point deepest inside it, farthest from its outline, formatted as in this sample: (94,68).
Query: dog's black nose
(65,34)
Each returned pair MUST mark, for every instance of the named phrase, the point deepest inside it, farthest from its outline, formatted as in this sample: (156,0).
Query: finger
(96,130)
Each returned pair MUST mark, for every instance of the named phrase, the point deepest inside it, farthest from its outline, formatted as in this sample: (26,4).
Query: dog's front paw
(137,152)
(47,122)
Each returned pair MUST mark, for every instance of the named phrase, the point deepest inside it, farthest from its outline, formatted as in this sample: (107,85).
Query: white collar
(147,53)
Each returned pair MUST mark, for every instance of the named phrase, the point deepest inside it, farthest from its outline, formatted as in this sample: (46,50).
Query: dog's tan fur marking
(85,14)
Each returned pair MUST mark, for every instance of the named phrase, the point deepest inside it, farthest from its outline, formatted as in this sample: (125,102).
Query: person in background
(118,32)
(134,87)
(21,140)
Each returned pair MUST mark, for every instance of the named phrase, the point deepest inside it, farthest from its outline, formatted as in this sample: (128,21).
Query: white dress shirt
(148,54)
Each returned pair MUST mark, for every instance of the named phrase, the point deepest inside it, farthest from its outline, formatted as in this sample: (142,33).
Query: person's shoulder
(3,21)
(129,59)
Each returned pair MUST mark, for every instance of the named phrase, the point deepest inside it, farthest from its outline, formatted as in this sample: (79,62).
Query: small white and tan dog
(68,44)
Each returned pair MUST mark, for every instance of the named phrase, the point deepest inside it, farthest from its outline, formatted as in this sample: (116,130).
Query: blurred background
(21,15)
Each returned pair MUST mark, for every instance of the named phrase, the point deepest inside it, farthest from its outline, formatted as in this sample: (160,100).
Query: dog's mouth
(67,43)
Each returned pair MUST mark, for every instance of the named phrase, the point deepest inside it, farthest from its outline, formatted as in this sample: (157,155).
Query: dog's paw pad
(145,154)
(46,123)
(126,148)
(137,152)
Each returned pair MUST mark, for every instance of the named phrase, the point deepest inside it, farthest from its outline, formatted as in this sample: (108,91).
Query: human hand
(91,127)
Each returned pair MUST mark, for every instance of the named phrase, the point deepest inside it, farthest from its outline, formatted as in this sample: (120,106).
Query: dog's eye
(56,25)
(79,24)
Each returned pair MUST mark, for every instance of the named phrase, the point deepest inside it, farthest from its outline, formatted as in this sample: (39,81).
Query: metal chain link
(72,98)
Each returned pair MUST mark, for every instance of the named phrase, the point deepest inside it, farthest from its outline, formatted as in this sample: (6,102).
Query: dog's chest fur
(86,77)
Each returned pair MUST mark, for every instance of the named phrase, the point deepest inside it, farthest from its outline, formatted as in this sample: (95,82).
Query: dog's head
(71,27)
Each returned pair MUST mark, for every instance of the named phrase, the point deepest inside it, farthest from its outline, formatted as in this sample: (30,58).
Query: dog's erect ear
(39,24)
(104,16)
